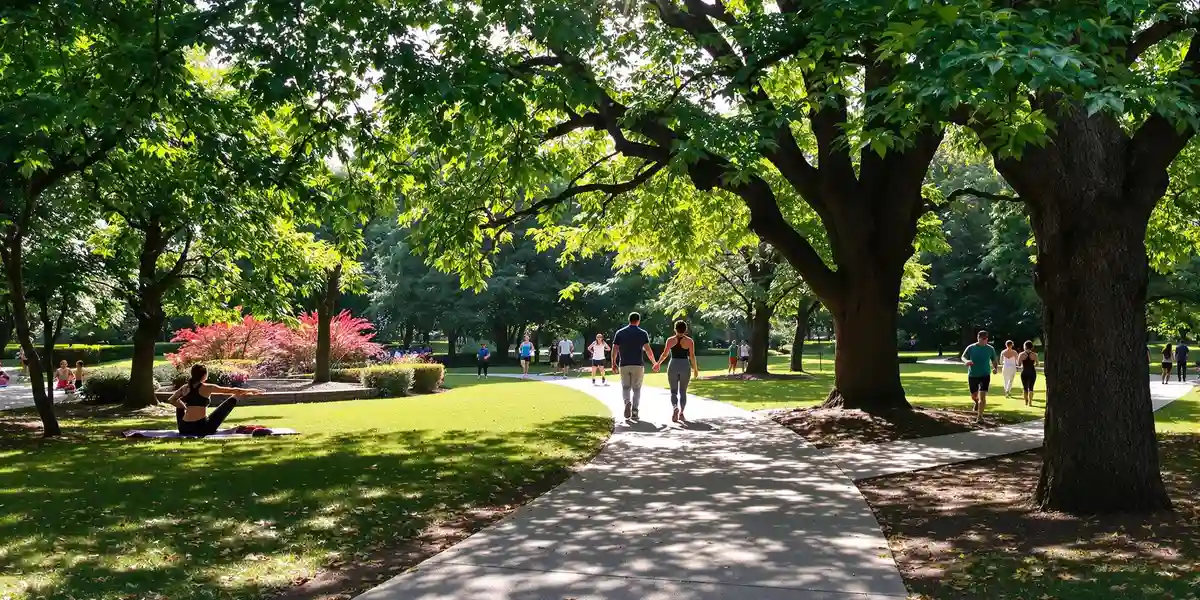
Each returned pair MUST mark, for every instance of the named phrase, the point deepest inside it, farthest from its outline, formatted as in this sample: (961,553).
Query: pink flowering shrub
(276,347)
(349,341)
(249,339)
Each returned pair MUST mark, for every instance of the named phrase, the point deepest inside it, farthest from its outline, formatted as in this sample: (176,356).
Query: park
(687,299)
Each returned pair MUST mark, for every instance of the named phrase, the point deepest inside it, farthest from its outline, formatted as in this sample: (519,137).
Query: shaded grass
(93,516)
(1180,416)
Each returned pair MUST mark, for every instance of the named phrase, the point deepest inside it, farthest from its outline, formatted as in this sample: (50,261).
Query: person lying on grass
(191,403)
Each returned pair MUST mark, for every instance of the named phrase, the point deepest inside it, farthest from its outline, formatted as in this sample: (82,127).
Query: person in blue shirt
(482,361)
(1181,360)
(526,353)
(628,346)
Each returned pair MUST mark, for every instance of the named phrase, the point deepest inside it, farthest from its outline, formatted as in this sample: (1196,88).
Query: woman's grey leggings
(679,373)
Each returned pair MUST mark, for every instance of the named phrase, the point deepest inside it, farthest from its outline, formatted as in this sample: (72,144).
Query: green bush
(391,381)
(352,375)
(105,386)
(427,377)
(91,354)
(224,373)
(168,375)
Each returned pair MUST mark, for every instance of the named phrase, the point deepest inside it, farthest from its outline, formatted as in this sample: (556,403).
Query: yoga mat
(222,434)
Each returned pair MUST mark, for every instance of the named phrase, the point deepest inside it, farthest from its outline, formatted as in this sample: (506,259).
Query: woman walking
(599,350)
(1168,355)
(191,403)
(1009,359)
(1028,360)
(680,370)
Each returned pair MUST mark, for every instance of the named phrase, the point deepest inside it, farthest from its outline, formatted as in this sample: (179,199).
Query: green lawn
(932,386)
(127,363)
(93,516)
(1180,416)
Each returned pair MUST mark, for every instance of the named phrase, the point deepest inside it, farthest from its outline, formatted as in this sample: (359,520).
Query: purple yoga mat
(223,434)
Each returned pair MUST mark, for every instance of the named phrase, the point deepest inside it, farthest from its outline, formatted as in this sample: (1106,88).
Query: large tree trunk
(326,305)
(150,319)
(13,265)
(408,334)
(804,313)
(865,361)
(1089,199)
(500,339)
(451,343)
(760,337)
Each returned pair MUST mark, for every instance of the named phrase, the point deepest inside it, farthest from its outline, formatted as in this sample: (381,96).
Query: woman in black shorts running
(1168,354)
(1028,360)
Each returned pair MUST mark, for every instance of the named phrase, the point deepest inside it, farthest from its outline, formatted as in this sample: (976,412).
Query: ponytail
(199,372)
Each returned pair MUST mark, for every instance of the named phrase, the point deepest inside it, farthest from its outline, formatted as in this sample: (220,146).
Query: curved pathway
(731,507)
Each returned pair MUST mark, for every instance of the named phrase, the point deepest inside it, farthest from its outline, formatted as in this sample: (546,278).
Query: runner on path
(526,352)
(681,368)
(566,351)
(745,355)
(598,350)
(733,357)
(1028,360)
(482,359)
(629,344)
(981,365)
(1009,355)
(1168,354)
(1181,359)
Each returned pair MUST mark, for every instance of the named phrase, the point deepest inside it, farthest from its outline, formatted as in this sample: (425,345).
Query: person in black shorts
(1028,360)
(1168,354)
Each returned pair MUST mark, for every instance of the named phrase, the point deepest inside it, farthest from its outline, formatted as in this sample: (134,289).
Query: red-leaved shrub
(248,339)
(349,341)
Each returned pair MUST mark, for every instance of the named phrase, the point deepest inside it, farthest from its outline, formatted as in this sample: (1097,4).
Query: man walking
(745,355)
(733,357)
(1181,360)
(981,365)
(629,344)
(566,349)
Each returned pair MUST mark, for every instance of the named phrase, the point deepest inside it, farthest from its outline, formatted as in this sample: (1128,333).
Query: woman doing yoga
(191,403)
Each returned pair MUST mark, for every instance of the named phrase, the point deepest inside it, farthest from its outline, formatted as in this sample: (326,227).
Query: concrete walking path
(730,507)
(891,458)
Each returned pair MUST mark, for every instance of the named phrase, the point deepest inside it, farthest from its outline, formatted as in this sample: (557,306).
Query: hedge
(227,373)
(427,377)
(92,354)
(351,375)
(105,386)
(391,381)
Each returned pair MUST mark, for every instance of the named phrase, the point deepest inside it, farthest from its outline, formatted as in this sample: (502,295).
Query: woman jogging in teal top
(526,352)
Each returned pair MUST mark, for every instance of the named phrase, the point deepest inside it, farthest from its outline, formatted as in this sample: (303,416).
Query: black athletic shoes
(628,410)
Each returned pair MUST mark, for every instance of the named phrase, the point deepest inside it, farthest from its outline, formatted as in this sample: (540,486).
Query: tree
(1083,107)
(749,283)
(772,105)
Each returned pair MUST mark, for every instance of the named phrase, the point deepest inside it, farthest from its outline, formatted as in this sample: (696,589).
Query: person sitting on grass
(191,403)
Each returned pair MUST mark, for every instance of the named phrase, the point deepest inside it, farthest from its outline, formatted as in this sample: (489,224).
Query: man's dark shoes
(628,410)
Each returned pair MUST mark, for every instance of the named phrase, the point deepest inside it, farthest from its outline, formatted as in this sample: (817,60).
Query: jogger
(982,364)
(679,371)
(629,344)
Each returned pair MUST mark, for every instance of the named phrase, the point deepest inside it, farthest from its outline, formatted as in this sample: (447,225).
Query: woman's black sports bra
(193,398)
(678,351)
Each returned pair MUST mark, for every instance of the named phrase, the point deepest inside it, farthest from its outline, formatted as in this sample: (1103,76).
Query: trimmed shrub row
(422,378)
(92,354)
(392,381)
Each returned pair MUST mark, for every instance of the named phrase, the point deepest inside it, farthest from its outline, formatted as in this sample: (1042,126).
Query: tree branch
(612,189)
(1158,141)
(1152,35)
(968,191)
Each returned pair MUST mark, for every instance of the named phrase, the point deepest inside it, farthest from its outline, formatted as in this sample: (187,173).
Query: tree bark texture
(804,313)
(13,264)
(760,337)
(326,305)
(1089,194)
(865,363)
(150,319)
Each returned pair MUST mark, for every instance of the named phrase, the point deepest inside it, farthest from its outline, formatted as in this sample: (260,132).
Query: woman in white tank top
(599,348)
(1009,358)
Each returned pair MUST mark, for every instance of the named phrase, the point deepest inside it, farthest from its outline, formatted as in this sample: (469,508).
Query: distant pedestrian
(553,354)
(482,358)
(1028,359)
(1168,355)
(744,352)
(79,373)
(599,352)
(629,345)
(1009,358)
(981,361)
(1181,359)
(733,357)
(566,355)
(526,353)
(680,370)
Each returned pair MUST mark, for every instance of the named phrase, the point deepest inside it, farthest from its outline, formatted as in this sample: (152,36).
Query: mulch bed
(758,377)
(969,531)
(841,428)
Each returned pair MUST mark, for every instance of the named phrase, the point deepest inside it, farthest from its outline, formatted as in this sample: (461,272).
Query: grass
(928,386)
(93,516)
(1181,416)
